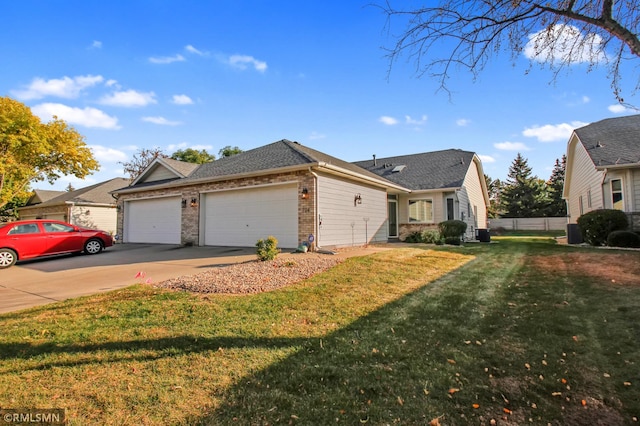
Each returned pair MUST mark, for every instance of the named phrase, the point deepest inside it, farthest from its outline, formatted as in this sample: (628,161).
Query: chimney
(374,160)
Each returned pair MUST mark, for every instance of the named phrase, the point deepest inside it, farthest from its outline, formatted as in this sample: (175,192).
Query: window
(420,210)
(28,228)
(589,198)
(450,211)
(581,206)
(57,227)
(616,194)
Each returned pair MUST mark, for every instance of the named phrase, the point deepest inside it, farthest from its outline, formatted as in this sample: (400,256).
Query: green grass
(519,332)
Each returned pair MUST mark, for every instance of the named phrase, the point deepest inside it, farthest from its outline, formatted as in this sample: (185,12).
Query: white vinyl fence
(530,224)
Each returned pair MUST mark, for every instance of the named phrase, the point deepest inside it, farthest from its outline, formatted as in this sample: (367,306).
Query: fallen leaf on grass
(607,375)
(564,381)
(400,401)
(451,361)
(556,394)
(527,366)
(506,411)
(627,383)
(453,390)
(584,403)
(476,406)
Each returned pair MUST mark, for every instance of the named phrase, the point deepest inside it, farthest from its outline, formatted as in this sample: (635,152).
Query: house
(284,189)
(603,168)
(445,185)
(91,207)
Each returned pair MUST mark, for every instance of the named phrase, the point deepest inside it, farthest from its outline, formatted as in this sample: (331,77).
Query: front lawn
(517,332)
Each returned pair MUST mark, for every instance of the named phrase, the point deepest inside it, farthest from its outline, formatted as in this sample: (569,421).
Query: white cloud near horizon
(389,121)
(182,100)
(552,132)
(65,87)
(161,121)
(417,122)
(486,158)
(511,146)
(618,109)
(86,117)
(564,43)
(108,155)
(242,62)
(463,122)
(166,59)
(129,99)
(189,48)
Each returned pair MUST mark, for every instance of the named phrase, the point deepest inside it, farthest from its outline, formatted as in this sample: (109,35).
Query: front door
(393,217)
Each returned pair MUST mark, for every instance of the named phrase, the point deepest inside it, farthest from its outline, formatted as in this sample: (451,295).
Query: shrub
(452,229)
(454,241)
(267,249)
(596,225)
(623,239)
(431,236)
(414,237)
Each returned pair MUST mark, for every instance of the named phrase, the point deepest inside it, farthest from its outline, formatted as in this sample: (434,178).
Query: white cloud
(511,146)
(552,132)
(201,147)
(586,99)
(414,121)
(96,44)
(316,136)
(243,62)
(107,155)
(189,48)
(182,100)
(129,98)
(161,121)
(65,87)
(389,121)
(463,122)
(87,117)
(175,147)
(486,158)
(112,83)
(167,59)
(618,109)
(564,43)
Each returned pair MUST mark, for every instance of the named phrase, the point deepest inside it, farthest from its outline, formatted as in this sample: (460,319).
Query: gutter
(316,225)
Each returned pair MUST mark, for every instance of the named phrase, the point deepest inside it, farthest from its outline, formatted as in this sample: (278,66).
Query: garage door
(155,220)
(240,218)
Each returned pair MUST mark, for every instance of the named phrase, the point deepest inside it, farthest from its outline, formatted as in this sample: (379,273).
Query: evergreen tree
(494,188)
(523,195)
(557,206)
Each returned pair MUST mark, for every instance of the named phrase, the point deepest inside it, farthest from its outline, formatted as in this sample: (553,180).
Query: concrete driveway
(42,281)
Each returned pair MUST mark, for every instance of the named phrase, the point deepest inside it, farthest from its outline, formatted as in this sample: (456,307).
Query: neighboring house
(284,189)
(444,185)
(603,168)
(91,207)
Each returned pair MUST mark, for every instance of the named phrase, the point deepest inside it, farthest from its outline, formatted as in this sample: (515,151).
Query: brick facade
(190,229)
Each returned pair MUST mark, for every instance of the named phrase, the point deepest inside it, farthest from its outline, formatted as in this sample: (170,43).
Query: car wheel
(93,246)
(7,258)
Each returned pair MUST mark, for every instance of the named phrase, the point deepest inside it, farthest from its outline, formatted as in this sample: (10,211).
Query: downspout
(316,226)
(70,206)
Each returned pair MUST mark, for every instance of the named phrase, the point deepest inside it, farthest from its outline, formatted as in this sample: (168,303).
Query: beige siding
(103,218)
(343,221)
(159,173)
(476,199)
(583,179)
(636,189)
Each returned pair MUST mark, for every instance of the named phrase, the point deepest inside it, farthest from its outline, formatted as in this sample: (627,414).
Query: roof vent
(398,169)
(461,160)
(599,145)
(374,160)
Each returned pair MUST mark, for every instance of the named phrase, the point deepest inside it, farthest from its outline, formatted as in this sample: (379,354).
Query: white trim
(262,185)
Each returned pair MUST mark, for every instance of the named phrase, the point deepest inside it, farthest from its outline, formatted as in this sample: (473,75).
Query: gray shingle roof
(428,170)
(182,167)
(613,141)
(94,194)
(281,154)
(43,195)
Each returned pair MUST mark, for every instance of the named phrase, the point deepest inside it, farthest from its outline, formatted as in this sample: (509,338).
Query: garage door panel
(240,218)
(155,220)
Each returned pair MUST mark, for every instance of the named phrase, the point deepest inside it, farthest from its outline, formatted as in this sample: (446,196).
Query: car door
(27,240)
(61,238)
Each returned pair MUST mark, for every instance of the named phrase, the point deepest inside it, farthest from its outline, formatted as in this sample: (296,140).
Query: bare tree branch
(555,33)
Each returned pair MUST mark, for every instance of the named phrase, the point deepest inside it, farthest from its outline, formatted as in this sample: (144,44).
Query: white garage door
(155,220)
(240,218)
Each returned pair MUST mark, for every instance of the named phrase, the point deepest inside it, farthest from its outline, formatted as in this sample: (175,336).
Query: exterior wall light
(357,199)
(305,193)
(194,202)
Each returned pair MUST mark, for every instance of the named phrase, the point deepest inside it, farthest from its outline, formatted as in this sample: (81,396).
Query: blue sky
(207,74)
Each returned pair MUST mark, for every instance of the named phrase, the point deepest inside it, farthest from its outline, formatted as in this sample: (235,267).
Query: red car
(26,239)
